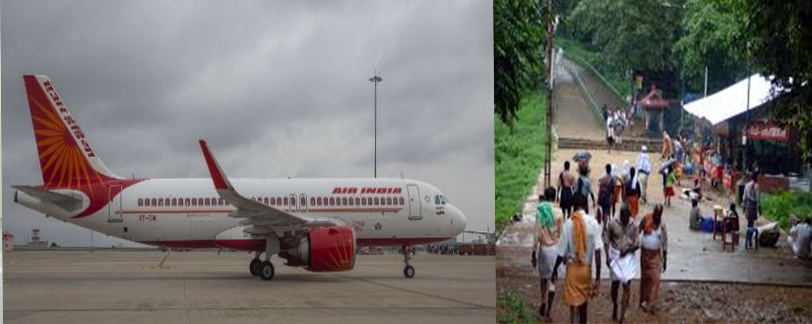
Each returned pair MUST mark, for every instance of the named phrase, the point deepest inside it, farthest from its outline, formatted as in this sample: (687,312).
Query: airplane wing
(261,217)
(68,203)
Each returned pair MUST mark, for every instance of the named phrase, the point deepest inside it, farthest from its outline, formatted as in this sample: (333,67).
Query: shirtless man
(566,181)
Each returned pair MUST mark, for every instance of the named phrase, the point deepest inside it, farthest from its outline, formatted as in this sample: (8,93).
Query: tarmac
(692,256)
(207,287)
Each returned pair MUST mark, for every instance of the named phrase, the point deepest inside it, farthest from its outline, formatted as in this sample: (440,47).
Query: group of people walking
(571,235)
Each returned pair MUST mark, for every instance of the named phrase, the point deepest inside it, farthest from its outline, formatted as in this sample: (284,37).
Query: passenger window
(351,201)
(363,201)
(174,201)
(344,200)
(401,201)
(389,201)
(285,201)
(312,201)
(302,201)
(187,202)
(357,201)
(146,202)
(376,201)
(318,201)
(160,202)
(140,201)
(194,201)
(332,201)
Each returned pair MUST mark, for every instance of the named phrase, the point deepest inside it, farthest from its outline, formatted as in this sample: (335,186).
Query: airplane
(311,223)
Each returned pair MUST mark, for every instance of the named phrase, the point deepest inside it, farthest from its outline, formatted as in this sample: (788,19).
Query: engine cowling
(328,249)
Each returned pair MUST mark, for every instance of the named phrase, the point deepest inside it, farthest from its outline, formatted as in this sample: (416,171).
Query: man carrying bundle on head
(547,230)
(580,242)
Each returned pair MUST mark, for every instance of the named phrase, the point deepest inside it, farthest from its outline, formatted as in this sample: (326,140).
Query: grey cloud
(278,88)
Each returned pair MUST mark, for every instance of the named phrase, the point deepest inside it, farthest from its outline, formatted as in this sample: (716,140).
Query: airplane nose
(459,220)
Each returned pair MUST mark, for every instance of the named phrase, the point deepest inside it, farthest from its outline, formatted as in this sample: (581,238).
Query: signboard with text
(768,131)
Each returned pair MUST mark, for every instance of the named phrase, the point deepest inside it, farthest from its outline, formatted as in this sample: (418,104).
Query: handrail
(596,111)
(600,76)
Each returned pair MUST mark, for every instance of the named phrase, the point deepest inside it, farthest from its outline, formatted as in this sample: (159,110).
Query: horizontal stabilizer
(68,203)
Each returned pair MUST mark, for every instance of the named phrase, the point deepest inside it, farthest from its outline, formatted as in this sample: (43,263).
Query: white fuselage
(168,212)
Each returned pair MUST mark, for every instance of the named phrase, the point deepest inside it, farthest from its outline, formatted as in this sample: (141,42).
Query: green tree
(709,30)
(635,34)
(779,37)
(518,32)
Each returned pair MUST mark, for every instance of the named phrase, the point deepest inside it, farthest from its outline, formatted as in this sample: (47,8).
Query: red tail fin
(65,156)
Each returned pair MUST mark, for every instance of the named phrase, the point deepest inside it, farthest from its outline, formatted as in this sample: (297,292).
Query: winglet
(217,175)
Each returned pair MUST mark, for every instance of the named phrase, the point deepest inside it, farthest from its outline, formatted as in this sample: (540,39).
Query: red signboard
(768,131)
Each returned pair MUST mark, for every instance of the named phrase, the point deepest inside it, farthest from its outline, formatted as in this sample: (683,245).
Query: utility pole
(549,100)
(706,82)
(745,140)
(375,79)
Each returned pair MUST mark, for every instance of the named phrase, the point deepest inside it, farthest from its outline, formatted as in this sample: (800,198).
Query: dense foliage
(709,30)
(780,206)
(518,32)
(518,157)
(636,35)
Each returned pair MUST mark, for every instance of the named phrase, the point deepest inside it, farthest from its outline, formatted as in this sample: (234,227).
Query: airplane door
(114,197)
(303,203)
(414,202)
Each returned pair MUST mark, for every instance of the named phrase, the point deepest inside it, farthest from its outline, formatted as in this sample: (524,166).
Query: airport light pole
(375,79)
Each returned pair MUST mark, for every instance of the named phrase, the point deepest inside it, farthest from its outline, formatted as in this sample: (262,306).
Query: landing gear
(267,271)
(255,266)
(408,271)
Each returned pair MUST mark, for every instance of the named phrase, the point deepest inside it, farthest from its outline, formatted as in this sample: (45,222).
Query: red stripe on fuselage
(259,244)
(329,210)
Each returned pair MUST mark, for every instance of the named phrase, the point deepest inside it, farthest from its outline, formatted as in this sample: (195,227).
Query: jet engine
(325,249)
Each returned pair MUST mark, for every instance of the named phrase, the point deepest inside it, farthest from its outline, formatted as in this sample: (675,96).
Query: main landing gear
(262,269)
(408,271)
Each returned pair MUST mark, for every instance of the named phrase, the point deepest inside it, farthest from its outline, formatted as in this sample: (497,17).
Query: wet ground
(692,255)
(679,302)
(703,283)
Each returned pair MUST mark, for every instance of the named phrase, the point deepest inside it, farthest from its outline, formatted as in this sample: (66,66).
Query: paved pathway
(693,256)
(573,117)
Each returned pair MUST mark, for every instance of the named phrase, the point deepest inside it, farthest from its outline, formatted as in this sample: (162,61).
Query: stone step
(628,144)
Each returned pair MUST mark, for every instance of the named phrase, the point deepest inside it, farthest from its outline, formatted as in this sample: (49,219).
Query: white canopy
(731,101)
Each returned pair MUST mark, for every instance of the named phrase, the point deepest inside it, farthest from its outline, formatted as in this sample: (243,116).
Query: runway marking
(418,292)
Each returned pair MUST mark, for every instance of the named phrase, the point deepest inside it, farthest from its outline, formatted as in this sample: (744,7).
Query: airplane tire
(267,271)
(408,271)
(255,267)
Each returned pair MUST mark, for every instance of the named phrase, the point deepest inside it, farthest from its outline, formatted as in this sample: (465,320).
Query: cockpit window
(436,199)
(443,199)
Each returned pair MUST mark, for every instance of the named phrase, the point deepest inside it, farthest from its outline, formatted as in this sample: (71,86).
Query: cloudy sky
(278,88)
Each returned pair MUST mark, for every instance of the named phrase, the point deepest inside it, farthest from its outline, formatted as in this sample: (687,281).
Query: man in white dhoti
(620,237)
(545,248)
(643,172)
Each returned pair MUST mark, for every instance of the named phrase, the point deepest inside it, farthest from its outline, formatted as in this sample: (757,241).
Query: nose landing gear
(255,267)
(408,270)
